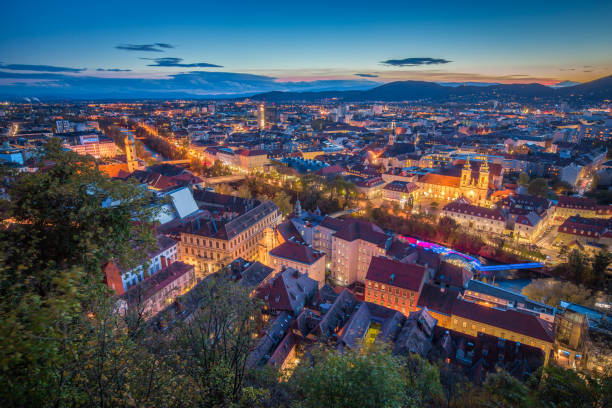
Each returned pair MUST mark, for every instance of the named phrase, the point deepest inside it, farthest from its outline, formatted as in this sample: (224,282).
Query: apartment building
(208,243)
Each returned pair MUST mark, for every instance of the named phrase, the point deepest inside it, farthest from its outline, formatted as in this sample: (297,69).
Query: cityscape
(321,223)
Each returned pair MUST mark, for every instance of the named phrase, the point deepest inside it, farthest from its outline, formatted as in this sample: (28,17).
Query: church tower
(130,153)
(483,175)
(392,134)
(466,174)
(261,116)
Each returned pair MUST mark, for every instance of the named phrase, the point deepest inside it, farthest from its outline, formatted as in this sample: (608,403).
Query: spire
(467,165)
(485,166)
(298,208)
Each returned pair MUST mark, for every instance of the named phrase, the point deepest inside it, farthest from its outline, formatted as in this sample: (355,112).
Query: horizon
(205,49)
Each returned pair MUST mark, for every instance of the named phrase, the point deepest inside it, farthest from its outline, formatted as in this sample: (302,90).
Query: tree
(599,264)
(423,382)
(281,199)
(577,264)
(501,390)
(523,179)
(538,187)
(561,187)
(561,388)
(244,191)
(552,291)
(66,219)
(368,377)
(213,347)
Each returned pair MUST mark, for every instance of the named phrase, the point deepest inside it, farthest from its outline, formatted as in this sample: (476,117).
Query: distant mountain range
(594,91)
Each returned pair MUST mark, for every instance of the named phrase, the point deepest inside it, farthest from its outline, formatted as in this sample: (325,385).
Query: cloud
(413,62)
(567,69)
(113,70)
(156,47)
(367,75)
(184,84)
(176,62)
(39,68)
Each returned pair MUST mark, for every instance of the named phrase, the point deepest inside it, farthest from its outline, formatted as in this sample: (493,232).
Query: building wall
(208,254)
(472,328)
(351,260)
(156,263)
(97,150)
(402,300)
(480,223)
(322,240)
(315,271)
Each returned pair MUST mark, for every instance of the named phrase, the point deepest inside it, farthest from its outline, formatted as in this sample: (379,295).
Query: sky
(218,47)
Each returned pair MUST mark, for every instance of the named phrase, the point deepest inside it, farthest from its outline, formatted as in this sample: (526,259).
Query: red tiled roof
(512,320)
(440,180)
(396,273)
(476,211)
(247,152)
(401,186)
(592,227)
(330,170)
(438,299)
(157,282)
(359,229)
(335,224)
(576,202)
(296,252)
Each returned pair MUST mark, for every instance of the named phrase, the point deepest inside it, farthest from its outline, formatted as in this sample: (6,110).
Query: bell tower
(466,173)
(130,153)
(483,175)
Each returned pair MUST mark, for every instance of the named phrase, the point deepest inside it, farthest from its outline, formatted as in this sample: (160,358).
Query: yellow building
(209,245)
(475,186)
(471,318)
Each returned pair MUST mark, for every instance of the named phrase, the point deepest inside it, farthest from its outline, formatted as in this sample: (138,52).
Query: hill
(594,91)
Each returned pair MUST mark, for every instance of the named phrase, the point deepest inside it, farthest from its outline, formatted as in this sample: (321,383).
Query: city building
(208,243)
(121,281)
(158,291)
(394,284)
(471,216)
(301,257)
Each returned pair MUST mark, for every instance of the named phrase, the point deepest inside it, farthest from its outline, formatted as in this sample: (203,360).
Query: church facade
(473,185)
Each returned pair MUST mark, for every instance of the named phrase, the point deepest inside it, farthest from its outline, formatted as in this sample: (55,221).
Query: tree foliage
(62,223)
(351,379)
(551,292)
(538,187)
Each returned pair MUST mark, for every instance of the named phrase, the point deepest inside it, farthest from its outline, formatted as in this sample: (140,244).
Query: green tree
(501,390)
(538,187)
(560,388)
(551,292)
(356,378)
(213,347)
(561,187)
(599,264)
(244,191)
(523,179)
(65,221)
(577,266)
(281,199)
(423,382)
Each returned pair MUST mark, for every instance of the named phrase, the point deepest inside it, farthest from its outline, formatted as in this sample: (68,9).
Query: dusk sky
(352,43)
